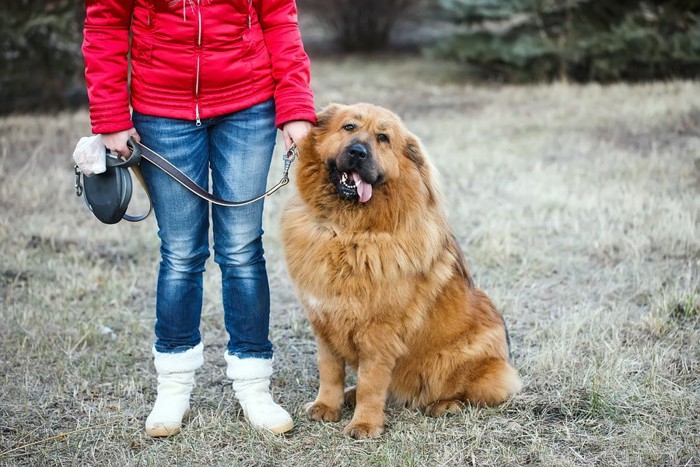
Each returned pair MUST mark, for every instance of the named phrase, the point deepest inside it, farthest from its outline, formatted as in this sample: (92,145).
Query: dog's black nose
(358,150)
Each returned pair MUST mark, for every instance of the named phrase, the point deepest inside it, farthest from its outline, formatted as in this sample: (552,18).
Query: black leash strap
(139,150)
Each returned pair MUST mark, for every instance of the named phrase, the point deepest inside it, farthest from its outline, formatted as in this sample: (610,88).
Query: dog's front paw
(363,430)
(321,412)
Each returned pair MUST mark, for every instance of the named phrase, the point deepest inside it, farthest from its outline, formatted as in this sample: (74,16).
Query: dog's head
(362,157)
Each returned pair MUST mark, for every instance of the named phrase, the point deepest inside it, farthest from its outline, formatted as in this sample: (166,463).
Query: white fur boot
(251,384)
(175,383)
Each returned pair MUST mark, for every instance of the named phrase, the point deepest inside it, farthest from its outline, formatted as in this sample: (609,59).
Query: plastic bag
(89,155)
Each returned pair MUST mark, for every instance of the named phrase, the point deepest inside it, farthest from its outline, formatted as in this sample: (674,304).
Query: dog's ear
(325,115)
(414,151)
(307,146)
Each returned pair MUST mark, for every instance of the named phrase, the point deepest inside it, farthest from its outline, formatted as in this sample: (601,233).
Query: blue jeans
(237,149)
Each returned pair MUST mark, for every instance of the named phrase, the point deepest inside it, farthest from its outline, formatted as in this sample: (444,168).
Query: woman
(209,82)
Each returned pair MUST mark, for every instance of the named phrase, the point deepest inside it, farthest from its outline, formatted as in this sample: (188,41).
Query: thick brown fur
(384,283)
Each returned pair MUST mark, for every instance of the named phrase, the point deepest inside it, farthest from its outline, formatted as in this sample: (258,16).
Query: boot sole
(280,429)
(162,431)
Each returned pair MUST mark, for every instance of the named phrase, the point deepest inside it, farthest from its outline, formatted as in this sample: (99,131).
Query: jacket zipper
(199,57)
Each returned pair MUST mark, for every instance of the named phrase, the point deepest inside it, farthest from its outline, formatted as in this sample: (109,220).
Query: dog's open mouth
(351,185)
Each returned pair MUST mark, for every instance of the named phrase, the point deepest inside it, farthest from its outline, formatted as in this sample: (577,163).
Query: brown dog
(382,279)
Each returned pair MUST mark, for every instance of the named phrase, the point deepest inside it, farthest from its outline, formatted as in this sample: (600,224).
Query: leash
(139,151)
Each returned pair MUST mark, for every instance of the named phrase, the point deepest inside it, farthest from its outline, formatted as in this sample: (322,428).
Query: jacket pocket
(141,50)
(143,24)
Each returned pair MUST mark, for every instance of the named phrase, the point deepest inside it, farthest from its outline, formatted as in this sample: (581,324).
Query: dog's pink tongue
(364,190)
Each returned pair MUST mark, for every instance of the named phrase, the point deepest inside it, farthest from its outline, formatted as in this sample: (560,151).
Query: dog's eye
(382,138)
(349,127)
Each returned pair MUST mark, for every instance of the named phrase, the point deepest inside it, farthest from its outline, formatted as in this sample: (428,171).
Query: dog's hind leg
(488,383)
(492,383)
(443,407)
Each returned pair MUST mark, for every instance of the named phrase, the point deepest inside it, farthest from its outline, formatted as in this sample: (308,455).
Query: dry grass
(578,209)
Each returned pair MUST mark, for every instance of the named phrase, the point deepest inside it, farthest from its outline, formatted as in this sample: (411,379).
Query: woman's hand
(116,142)
(295,131)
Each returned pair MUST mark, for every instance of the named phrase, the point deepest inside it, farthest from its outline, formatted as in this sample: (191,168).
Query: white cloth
(90,154)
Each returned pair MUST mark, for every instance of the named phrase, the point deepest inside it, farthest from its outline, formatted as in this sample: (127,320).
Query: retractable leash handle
(115,159)
(134,163)
(108,194)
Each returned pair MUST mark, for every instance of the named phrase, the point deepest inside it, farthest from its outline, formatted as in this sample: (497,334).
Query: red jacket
(193,59)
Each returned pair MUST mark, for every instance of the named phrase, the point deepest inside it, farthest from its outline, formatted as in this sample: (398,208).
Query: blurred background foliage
(361,25)
(578,40)
(41,66)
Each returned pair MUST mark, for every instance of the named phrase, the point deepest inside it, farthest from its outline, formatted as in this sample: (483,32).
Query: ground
(578,211)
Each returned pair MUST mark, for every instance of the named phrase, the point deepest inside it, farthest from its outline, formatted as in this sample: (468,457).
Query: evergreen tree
(40,60)
(525,40)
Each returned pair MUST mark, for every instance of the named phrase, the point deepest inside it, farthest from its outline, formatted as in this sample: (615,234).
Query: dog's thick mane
(381,216)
